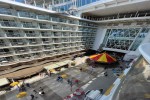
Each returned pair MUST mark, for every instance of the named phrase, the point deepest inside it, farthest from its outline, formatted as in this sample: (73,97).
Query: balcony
(66,28)
(65,40)
(66,34)
(10,24)
(33,41)
(6,60)
(72,44)
(27,14)
(47,47)
(57,52)
(24,57)
(58,46)
(44,17)
(47,41)
(55,19)
(18,43)
(57,40)
(78,39)
(73,40)
(32,35)
(65,45)
(44,26)
(83,39)
(2,44)
(73,34)
(6,11)
(49,53)
(72,22)
(79,34)
(28,25)
(36,55)
(5,52)
(57,34)
(46,34)
(57,27)
(62,20)
(21,50)
(36,48)
(13,34)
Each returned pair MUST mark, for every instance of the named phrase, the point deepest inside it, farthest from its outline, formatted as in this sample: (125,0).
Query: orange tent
(103,57)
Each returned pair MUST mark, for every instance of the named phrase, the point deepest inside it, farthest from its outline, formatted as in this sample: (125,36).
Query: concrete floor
(57,91)
(135,86)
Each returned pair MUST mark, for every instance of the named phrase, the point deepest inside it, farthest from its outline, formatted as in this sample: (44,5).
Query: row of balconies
(55,18)
(120,16)
(16,33)
(33,41)
(32,49)
(87,24)
(12,23)
(35,16)
(31,56)
(87,30)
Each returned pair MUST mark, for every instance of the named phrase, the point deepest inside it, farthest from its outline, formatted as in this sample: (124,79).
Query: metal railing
(10,24)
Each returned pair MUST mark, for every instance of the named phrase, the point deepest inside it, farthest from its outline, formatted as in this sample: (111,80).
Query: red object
(74,94)
(68,97)
(76,81)
(82,93)
(103,57)
(77,90)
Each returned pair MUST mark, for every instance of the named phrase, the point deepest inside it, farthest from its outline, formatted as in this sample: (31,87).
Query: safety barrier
(114,88)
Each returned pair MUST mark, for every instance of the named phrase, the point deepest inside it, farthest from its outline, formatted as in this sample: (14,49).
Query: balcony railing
(66,28)
(65,40)
(6,60)
(47,41)
(58,34)
(57,41)
(55,19)
(3,44)
(66,34)
(44,17)
(48,47)
(21,51)
(71,22)
(36,55)
(46,34)
(10,24)
(32,35)
(5,53)
(62,20)
(27,14)
(24,57)
(57,27)
(29,26)
(49,53)
(72,34)
(18,43)
(34,42)
(44,27)
(13,34)
(6,11)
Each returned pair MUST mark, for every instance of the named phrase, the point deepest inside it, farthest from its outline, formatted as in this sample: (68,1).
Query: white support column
(43,3)
(34,3)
